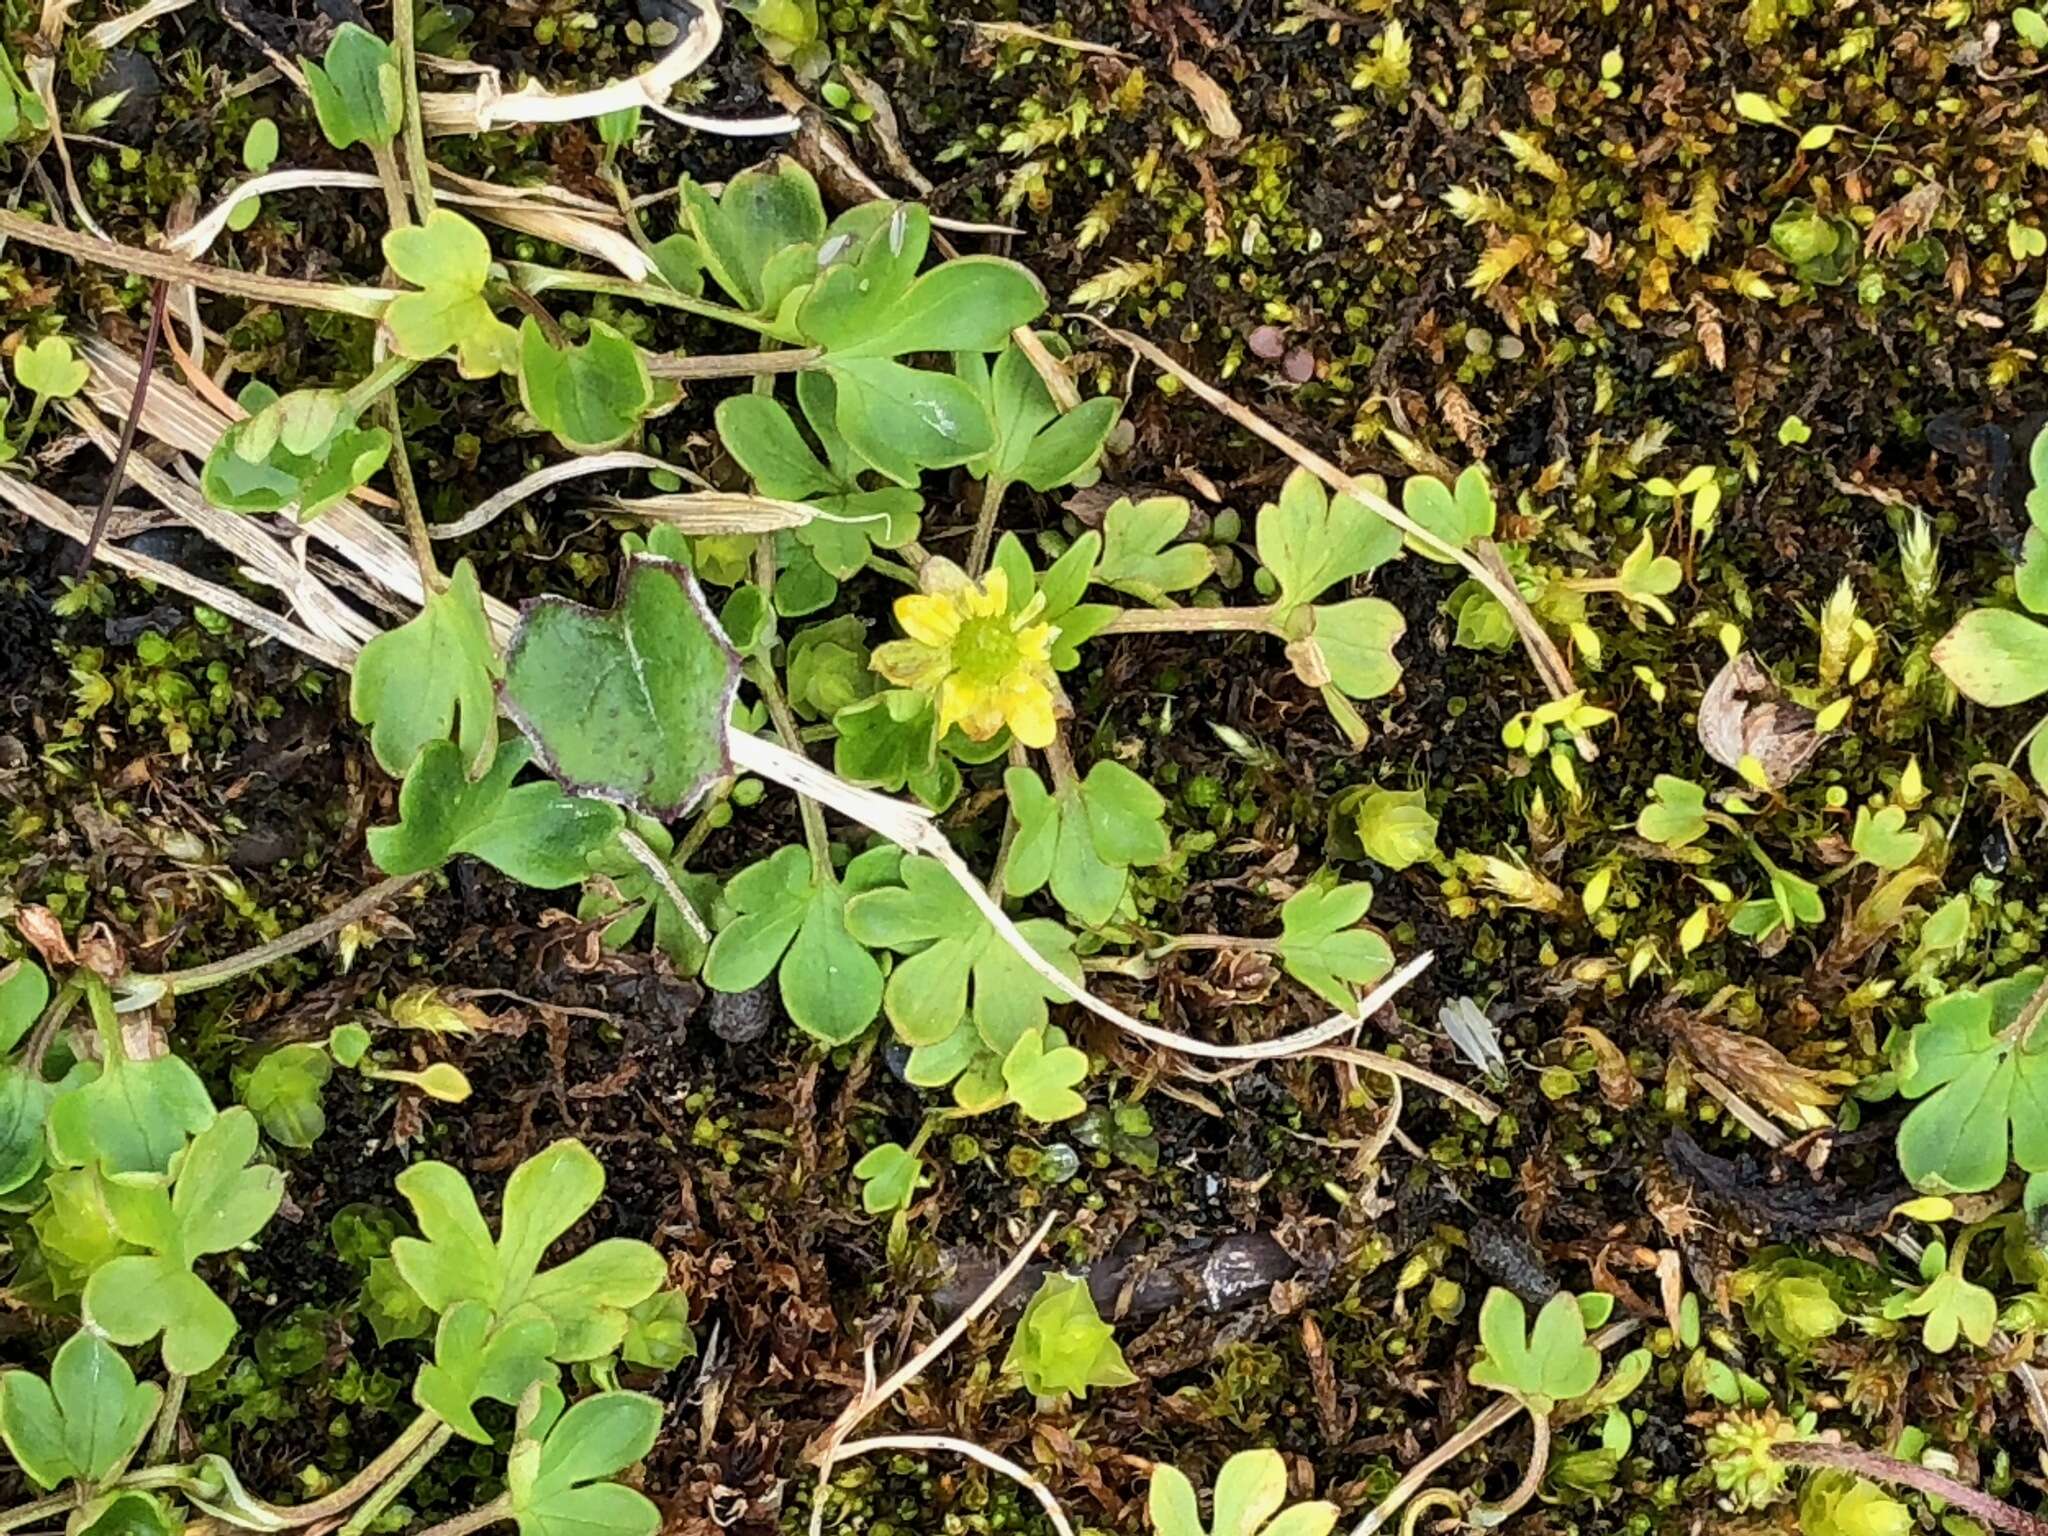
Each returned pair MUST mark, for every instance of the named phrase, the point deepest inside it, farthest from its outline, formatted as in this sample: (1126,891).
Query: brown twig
(159,296)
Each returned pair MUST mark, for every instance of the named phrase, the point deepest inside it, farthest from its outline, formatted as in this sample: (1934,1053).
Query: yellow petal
(957,706)
(1035,643)
(934,621)
(994,596)
(1028,709)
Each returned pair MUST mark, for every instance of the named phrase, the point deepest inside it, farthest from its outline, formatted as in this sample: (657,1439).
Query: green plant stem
(199,977)
(402,43)
(1060,760)
(649,860)
(28,1514)
(1178,621)
(387,1463)
(47,1026)
(165,1434)
(498,1509)
(2031,1013)
(893,569)
(388,373)
(431,583)
(389,179)
(395,1484)
(734,365)
(816,839)
(1019,758)
(538,279)
(1982,1506)
(992,490)
(364,303)
(1211,941)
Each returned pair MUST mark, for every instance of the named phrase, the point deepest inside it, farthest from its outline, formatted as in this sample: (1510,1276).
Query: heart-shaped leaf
(1459,517)
(1139,555)
(556,1485)
(1310,542)
(356,91)
(448,259)
(591,396)
(214,1201)
(50,369)
(629,705)
(429,677)
(791,921)
(888,1176)
(534,832)
(1322,946)
(81,1424)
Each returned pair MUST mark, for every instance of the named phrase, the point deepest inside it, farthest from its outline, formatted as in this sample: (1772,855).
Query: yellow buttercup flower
(985,666)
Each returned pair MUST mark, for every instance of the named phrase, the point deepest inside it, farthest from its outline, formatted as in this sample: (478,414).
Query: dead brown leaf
(1745,715)
(1210,98)
(1759,1071)
(43,929)
(1907,219)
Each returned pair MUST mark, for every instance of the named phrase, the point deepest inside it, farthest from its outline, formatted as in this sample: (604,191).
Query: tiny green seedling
(1323,946)
(1250,1500)
(1948,1305)
(1062,1347)
(357,94)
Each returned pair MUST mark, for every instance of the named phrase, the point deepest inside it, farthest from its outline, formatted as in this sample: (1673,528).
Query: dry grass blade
(573,228)
(724,512)
(489,106)
(1422,1077)
(488,511)
(37,504)
(363,302)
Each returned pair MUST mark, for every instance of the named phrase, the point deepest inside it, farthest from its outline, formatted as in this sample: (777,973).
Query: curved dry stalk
(1422,1077)
(914,829)
(826,1450)
(1879,1468)
(563,226)
(1495,1416)
(489,106)
(488,511)
(1489,1419)
(972,1452)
